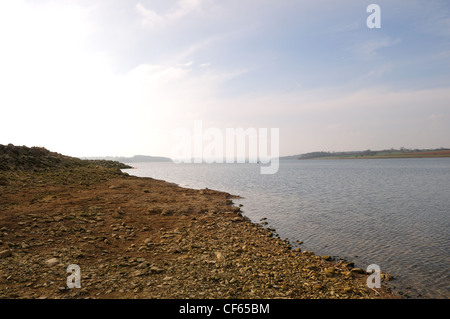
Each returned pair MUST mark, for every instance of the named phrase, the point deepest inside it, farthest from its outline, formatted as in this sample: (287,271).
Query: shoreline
(137,237)
(373,157)
(296,246)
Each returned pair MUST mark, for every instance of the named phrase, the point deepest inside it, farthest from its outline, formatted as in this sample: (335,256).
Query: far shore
(437,154)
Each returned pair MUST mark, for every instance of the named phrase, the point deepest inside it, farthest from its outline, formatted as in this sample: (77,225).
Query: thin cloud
(181,9)
(368,49)
(149,17)
(377,72)
(185,65)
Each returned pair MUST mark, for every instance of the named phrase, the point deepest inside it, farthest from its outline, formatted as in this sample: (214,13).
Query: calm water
(390,212)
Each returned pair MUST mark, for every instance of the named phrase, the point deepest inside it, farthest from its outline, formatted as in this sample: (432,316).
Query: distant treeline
(388,152)
(336,154)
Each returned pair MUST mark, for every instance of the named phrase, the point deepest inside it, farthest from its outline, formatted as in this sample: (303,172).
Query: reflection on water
(390,212)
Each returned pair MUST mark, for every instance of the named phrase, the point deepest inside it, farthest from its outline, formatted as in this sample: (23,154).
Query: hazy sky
(116,77)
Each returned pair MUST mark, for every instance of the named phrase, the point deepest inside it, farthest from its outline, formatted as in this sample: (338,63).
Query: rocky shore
(144,238)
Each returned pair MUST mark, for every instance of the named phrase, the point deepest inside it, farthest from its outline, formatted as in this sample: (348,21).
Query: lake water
(390,212)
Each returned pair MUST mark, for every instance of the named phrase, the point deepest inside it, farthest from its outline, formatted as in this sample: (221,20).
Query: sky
(118,78)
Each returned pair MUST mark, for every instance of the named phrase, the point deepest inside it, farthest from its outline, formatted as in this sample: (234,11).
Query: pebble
(5,253)
(156,270)
(52,261)
(358,271)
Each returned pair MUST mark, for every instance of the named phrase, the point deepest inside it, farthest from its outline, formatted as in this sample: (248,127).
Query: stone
(156,270)
(166,212)
(317,286)
(143,265)
(347,290)
(175,249)
(220,257)
(137,273)
(5,253)
(358,271)
(349,264)
(329,271)
(386,277)
(347,273)
(52,261)
(117,214)
(276,287)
